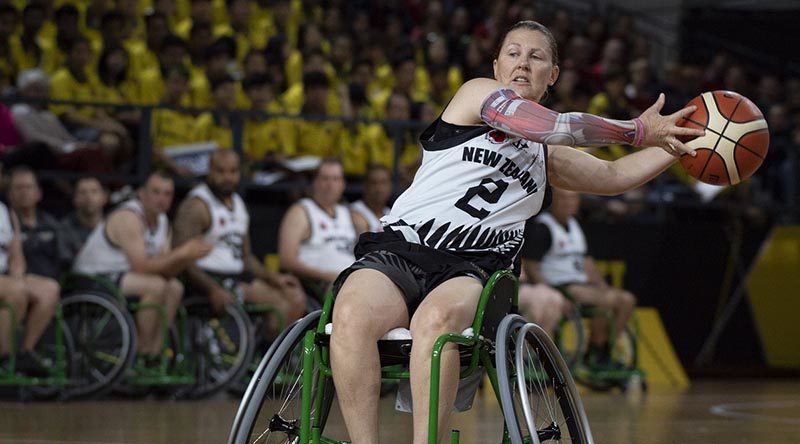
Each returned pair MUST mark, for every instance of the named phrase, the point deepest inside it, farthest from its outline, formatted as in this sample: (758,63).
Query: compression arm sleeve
(507,111)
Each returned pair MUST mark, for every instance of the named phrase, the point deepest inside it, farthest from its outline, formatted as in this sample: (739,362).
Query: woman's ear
(554,75)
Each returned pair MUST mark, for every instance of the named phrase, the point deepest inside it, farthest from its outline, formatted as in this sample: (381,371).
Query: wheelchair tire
(221,347)
(276,383)
(530,366)
(105,343)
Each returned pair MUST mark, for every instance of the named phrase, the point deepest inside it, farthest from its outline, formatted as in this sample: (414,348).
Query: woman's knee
(174,289)
(50,294)
(625,299)
(434,321)
(153,288)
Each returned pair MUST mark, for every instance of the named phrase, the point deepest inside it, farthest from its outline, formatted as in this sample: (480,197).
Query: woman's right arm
(489,101)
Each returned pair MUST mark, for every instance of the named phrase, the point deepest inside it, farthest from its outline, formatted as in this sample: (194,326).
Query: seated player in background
(216,212)
(89,198)
(557,254)
(132,248)
(541,303)
(375,195)
(317,233)
(30,268)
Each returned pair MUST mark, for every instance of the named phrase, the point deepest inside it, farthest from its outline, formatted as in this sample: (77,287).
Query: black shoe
(597,356)
(30,365)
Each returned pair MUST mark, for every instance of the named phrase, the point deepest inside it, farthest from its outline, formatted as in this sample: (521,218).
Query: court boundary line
(728,411)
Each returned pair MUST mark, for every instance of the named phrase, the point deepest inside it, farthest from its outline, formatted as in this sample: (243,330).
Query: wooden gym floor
(709,412)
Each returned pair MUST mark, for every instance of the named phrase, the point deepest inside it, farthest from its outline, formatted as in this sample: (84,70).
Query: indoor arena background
(715,271)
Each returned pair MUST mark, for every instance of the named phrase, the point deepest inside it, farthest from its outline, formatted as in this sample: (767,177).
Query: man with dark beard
(214,210)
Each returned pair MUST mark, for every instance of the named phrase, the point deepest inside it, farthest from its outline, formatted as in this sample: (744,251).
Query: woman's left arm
(575,170)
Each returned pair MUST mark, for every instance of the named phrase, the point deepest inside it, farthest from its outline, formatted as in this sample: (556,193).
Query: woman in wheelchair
(487,164)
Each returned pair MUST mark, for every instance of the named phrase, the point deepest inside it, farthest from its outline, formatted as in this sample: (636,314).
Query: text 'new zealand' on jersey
(474,190)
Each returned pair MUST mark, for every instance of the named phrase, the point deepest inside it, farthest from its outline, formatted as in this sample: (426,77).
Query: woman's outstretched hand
(663,131)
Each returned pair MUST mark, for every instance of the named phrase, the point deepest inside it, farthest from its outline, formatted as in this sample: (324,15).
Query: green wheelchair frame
(493,326)
(59,359)
(623,350)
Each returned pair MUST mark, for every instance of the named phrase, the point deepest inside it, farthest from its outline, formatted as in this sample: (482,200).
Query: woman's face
(117,62)
(525,63)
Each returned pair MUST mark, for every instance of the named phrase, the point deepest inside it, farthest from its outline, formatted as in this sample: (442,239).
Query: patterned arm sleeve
(507,111)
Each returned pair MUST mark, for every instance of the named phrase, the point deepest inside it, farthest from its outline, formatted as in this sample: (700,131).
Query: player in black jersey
(488,161)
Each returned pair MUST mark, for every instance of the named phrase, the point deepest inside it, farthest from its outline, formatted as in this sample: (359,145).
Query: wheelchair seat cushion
(398,334)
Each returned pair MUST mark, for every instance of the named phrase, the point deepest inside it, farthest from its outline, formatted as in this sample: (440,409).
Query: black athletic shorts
(415,269)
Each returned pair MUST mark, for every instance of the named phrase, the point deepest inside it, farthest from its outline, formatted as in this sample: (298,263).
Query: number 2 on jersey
(482,191)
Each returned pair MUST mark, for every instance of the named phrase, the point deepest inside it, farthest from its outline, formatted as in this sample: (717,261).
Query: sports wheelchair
(291,394)
(201,353)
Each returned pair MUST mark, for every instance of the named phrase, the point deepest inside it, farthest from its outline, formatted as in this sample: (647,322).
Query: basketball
(736,139)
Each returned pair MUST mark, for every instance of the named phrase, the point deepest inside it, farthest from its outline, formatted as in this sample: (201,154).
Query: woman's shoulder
(465,107)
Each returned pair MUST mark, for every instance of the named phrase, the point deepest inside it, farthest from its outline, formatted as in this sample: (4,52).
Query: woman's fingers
(656,107)
(684,113)
(683,131)
(681,148)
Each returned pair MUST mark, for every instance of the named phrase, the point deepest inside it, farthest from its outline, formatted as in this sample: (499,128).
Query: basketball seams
(764,128)
(708,118)
(731,167)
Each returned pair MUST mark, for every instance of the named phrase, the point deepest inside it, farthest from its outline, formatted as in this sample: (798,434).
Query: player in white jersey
(318,233)
(132,248)
(559,256)
(374,197)
(216,212)
(486,165)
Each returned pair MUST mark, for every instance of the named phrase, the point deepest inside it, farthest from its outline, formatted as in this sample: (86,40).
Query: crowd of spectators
(401,60)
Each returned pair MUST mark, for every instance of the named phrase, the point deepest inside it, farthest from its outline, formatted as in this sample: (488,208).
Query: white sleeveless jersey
(330,247)
(227,233)
(563,263)
(99,256)
(473,192)
(374,223)
(6,236)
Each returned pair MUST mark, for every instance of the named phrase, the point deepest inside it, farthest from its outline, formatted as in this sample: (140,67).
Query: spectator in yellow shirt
(27,47)
(241,29)
(67,30)
(170,126)
(116,85)
(294,98)
(157,29)
(216,125)
(267,138)
(172,54)
(8,25)
(200,11)
(200,39)
(315,137)
(75,82)
(218,58)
